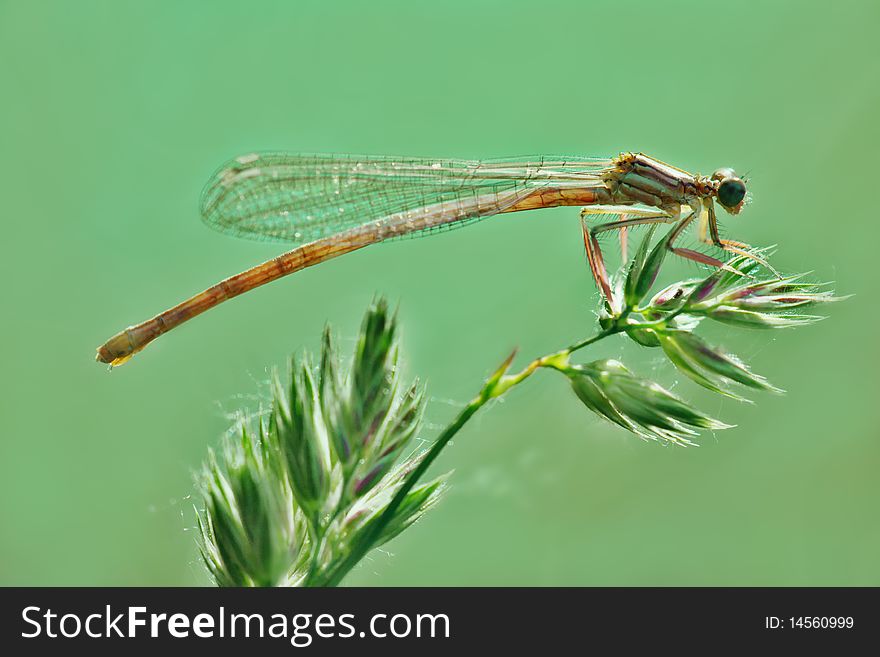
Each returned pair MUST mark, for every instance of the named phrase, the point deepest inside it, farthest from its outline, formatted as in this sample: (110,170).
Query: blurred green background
(114,114)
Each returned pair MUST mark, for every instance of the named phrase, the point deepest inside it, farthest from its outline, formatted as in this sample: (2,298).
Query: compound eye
(731,192)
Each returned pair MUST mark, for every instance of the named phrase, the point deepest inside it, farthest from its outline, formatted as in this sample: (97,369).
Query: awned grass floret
(332,472)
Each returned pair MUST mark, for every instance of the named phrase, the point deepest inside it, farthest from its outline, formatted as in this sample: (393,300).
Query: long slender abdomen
(128,342)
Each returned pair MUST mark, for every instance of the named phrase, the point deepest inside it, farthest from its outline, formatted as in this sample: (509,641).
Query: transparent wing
(302,197)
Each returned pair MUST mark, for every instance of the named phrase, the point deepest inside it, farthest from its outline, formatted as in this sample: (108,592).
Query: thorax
(638,178)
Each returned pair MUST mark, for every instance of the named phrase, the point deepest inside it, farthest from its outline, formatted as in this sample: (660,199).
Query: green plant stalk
(606,387)
(363,546)
(497,385)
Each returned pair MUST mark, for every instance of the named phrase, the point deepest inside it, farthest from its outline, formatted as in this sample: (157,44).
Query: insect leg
(689,254)
(594,253)
(740,248)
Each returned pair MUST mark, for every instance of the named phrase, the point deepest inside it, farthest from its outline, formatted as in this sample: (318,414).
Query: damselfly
(330,205)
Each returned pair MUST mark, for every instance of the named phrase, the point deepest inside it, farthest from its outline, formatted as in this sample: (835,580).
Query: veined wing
(302,197)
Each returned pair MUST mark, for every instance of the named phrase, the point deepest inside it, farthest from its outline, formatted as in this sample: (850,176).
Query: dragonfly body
(333,205)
